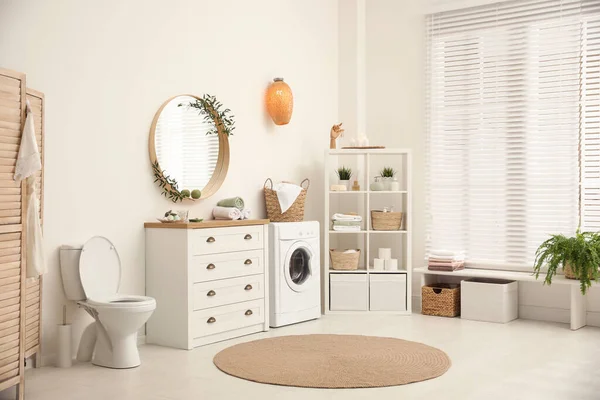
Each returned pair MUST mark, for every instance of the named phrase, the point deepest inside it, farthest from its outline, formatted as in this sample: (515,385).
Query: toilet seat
(122,302)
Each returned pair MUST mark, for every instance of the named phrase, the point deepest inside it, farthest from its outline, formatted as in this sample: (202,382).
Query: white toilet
(91,276)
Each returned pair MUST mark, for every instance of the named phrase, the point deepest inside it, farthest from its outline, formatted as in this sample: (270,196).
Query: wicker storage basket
(441,299)
(386,221)
(344,261)
(294,214)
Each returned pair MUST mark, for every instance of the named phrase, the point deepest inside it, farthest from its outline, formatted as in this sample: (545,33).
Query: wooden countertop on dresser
(206,224)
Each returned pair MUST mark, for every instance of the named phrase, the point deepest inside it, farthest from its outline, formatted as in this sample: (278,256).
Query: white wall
(396,100)
(395,87)
(106,67)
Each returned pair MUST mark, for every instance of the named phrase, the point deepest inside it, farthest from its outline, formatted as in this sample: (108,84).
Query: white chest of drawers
(209,279)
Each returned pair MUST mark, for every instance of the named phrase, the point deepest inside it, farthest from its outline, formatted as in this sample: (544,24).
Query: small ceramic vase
(394,185)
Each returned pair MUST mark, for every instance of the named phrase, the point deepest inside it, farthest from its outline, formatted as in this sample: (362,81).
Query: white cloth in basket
(287,193)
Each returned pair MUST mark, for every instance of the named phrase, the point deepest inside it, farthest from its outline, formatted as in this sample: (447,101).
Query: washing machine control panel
(297,230)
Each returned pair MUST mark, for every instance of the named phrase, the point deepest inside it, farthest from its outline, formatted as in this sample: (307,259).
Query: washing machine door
(298,267)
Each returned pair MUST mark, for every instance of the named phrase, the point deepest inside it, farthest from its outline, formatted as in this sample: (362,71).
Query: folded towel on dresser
(230,213)
(236,202)
(246,212)
(346,217)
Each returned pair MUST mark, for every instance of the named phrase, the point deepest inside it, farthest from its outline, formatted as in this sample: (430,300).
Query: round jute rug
(333,361)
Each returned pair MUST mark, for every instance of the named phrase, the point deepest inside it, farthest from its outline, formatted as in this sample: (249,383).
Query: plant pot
(345,182)
(387,183)
(570,274)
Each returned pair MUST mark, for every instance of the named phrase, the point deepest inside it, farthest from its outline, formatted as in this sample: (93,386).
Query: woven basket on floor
(344,261)
(386,221)
(441,299)
(294,214)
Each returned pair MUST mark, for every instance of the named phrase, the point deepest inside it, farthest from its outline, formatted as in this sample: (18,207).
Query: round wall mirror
(188,147)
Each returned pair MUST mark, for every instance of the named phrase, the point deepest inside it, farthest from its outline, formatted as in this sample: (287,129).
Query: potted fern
(344,174)
(578,255)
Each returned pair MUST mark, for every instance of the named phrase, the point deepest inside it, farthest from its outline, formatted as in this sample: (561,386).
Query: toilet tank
(69,270)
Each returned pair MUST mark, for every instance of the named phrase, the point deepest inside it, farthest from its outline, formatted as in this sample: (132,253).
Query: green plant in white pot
(344,174)
(578,255)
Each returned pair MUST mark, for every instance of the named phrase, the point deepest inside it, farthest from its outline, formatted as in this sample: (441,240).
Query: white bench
(578,301)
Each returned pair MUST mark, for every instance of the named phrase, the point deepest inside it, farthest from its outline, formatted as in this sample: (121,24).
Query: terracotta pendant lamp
(280,102)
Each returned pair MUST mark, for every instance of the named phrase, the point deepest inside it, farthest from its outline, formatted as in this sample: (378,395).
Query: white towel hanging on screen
(287,193)
(28,159)
(28,163)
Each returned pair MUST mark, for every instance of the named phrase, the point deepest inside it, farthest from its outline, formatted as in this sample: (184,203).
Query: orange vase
(280,102)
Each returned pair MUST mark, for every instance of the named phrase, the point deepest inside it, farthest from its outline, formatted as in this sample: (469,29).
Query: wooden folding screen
(12,233)
(33,296)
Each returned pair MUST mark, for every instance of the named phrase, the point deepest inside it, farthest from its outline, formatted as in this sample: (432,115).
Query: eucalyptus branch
(168,185)
(210,108)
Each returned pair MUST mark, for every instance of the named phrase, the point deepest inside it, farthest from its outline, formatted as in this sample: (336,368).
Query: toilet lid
(99,268)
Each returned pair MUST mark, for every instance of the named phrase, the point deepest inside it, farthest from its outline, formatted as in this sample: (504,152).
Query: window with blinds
(183,148)
(513,127)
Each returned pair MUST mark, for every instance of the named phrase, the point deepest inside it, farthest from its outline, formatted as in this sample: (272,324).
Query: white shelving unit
(366,165)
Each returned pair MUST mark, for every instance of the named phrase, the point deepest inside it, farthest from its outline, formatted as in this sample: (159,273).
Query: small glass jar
(394,185)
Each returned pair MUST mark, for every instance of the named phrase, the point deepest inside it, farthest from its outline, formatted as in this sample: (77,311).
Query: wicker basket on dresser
(209,279)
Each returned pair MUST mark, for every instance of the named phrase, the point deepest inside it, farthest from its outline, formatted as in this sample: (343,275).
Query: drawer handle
(248,237)
(210,266)
(211,320)
(248,287)
(248,312)
(211,293)
(211,240)
(248,262)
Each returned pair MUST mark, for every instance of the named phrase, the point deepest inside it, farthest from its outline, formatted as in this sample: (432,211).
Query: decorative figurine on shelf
(336,131)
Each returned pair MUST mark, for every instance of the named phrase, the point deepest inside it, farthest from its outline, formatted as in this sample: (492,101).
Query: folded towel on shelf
(230,213)
(346,223)
(236,202)
(246,212)
(346,217)
(341,228)
(287,193)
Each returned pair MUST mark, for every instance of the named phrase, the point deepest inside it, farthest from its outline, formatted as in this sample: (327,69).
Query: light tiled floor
(521,360)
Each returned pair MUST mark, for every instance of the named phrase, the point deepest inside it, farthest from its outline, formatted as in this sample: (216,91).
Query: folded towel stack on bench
(444,260)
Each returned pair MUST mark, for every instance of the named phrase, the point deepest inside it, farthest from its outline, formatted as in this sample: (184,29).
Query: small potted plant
(578,255)
(387,175)
(344,174)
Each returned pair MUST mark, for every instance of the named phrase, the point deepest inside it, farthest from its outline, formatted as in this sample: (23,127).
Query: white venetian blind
(590,115)
(505,113)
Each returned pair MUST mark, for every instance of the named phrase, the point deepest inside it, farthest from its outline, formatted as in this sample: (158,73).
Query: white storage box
(490,300)
(348,292)
(387,292)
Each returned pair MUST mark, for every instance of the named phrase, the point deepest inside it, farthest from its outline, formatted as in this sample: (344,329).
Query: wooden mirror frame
(218,176)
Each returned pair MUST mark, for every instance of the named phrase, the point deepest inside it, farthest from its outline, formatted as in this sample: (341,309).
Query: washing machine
(294,272)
